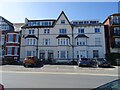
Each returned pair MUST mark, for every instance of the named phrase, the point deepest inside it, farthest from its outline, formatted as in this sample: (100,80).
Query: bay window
(63,41)
(9,51)
(10,37)
(31,41)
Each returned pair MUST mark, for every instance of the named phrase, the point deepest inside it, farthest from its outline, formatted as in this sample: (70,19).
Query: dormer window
(62,21)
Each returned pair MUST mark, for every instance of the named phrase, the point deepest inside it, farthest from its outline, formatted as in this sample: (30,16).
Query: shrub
(112,57)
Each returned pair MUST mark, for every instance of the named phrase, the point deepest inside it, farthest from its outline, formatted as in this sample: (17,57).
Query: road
(49,80)
(56,77)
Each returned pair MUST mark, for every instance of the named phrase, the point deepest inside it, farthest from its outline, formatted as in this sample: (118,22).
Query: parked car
(30,61)
(84,62)
(1,87)
(102,62)
(94,62)
(113,85)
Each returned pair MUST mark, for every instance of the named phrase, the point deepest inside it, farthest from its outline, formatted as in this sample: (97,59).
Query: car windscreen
(114,85)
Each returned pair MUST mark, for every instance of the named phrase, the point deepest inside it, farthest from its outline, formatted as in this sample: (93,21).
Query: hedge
(112,58)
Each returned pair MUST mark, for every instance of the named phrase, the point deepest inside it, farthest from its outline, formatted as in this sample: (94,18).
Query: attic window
(62,21)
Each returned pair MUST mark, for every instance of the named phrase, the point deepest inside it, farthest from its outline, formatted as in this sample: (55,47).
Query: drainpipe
(72,46)
(37,44)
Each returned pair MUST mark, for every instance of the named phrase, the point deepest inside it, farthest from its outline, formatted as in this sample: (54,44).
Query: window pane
(3,41)
(10,37)
(95,53)
(97,41)
(62,21)
(32,31)
(62,31)
(15,51)
(80,30)
(17,38)
(29,53)
(97,30)
(34,43)
(34,53)
(46,41)
(58,54)
(63,54)
(9,50)
(29,31)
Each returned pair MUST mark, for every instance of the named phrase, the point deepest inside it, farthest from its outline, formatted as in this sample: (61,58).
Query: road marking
(62,73)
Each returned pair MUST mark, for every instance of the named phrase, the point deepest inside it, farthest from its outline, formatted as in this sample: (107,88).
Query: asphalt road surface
(53,80)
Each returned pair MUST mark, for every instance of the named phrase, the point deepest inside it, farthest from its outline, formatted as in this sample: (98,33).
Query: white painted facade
(61,45)
(93,41)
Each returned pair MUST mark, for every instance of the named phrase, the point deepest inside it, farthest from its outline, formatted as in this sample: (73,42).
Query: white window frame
(62,21)
(28,53)
(62,31)
(9,50)
(32,32)
(80,30)
(10,37)
(97,30)
(15,50)
(97,41)
(62,54)
(46,41)
(95,53)
(63,41)
(46,31)
(17,38)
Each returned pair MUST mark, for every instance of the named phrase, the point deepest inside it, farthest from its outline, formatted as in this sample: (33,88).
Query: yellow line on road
(60,73)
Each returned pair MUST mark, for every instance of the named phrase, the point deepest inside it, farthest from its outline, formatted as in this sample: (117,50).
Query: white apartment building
(89,39)
(61,40)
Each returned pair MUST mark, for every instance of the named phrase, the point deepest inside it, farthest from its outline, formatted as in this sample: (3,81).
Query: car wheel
(24,65)
(96,65)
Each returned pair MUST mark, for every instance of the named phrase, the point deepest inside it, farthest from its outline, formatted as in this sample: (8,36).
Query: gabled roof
(31,36)
(62,36)
(115,14)
(8,22)
(81,36)
(54,22)
(60,16)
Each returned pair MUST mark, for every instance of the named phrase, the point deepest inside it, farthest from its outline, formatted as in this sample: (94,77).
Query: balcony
(115,34)
(115,23)
(114,45)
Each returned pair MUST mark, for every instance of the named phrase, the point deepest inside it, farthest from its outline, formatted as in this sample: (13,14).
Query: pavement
(62,69)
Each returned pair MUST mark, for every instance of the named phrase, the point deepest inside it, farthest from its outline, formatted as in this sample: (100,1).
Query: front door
(42,56)
(50,57)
